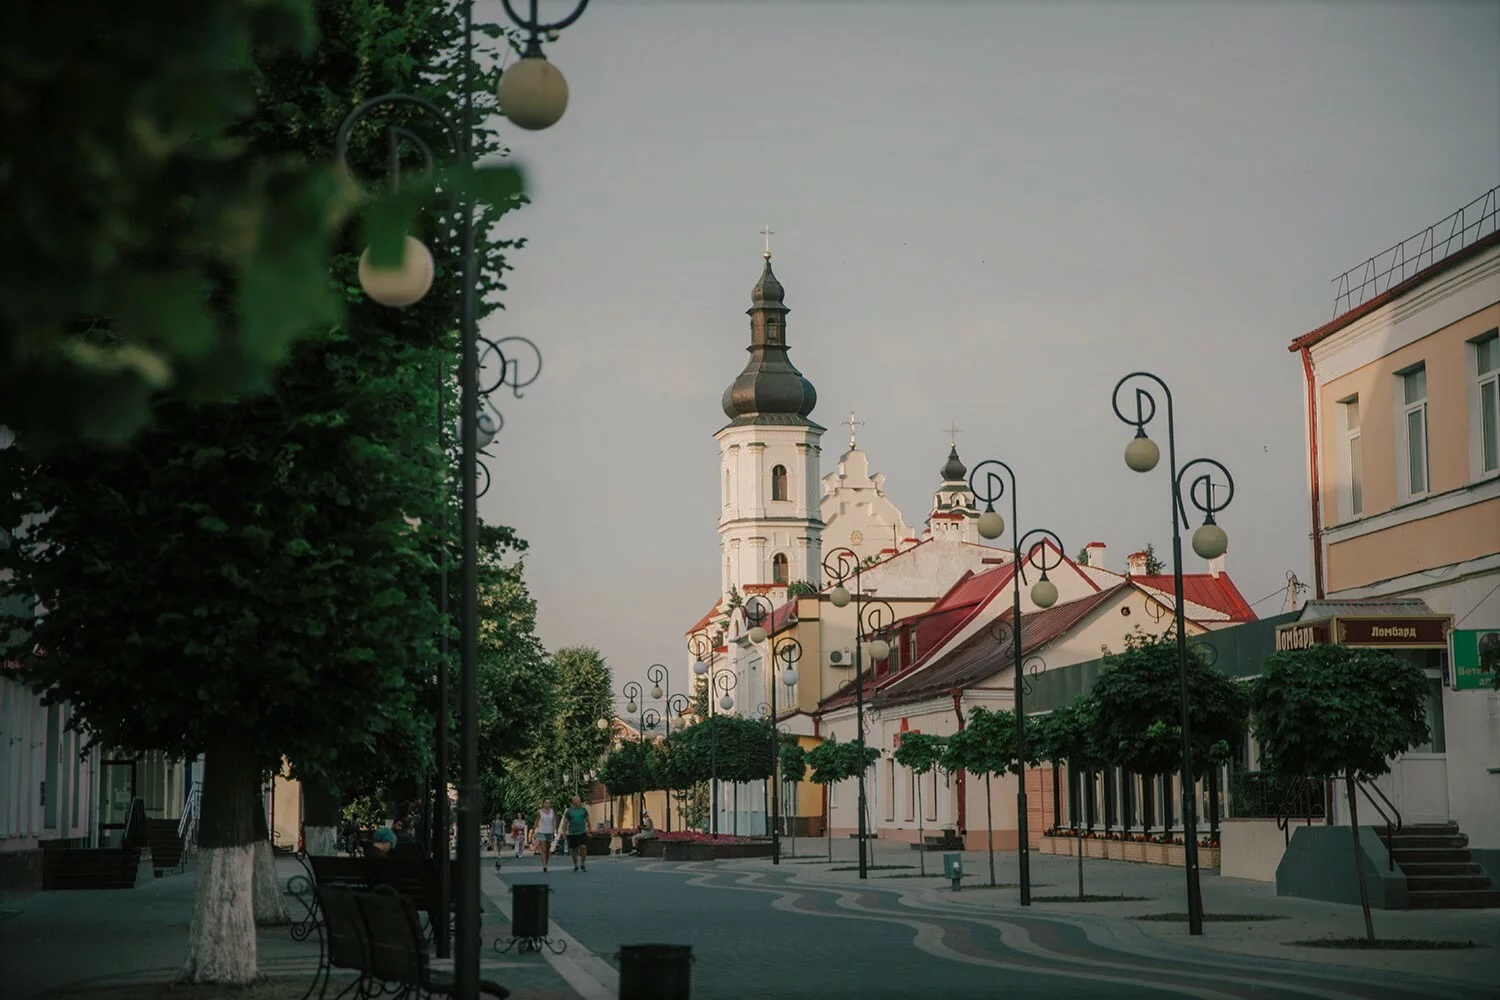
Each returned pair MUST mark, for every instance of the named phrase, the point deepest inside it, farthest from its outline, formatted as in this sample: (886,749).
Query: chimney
(1093,555)
(1135,564)
(1216,566)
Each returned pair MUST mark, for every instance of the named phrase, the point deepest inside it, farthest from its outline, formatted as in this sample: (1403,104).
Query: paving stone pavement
(805,931)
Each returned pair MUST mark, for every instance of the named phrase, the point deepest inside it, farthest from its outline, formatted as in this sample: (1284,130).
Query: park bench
(376,934)
(413,878)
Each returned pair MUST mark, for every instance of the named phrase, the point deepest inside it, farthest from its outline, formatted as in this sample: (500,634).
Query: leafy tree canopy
(832,761)
(985,746)
(1330,710)
(727,747)
(793,761)
(1070,733)
(1138,710)
(919,752)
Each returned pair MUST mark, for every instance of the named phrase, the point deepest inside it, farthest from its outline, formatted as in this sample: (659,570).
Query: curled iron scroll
(840,565)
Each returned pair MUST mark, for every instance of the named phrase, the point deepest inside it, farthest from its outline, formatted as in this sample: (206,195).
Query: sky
(984,213)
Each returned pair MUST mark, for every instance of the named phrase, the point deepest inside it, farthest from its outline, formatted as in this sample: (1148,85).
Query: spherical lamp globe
(1142,454)
(603,723)
(991,525)
(656,691)
(630,707)
(757,634)
(487,425)
(533,93)
(839,597)
(726,703)
(700,668)
(402,285)
(1044,594)
(789,677)
(878,649)
(1210,541)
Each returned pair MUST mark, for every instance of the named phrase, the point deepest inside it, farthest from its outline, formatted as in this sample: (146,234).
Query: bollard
(953,867)
(528,910)
(655,971)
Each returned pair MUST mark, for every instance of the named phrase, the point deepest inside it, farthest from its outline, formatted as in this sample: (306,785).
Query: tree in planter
(1070,734)
(986,746)
(1332,711)
(920,753)
(832,762)
(793,770)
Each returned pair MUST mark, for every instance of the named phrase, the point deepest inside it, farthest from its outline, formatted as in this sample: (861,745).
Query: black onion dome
(770,386)
(954,470)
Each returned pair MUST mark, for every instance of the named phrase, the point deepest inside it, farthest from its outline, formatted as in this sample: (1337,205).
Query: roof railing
(1390,267)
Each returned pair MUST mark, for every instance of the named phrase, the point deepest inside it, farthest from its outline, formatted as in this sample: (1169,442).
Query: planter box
(90,868)
(1136,851)
(651,847)
(689,851)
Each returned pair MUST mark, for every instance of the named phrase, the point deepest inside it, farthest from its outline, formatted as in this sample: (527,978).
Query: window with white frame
(1485,425)
(1353,459)
(1412,432)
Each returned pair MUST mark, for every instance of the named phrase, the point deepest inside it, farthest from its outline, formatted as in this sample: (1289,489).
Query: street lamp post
(533,95)
(841,565)
(1043,595)
(789,650)
(723,683)
(677,710)
(1209,542)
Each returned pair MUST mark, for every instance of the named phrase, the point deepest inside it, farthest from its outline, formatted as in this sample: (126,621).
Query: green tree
(1139,708)
(147,249)
(986,746)
(1154,565)
(832,762)
(919,753)
(793,764)
(1070,735)
(573,746)
(269,590)
(801,588)
(1331,711)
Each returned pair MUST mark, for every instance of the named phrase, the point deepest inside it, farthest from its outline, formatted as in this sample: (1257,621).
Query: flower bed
(1152,849)
(690,845)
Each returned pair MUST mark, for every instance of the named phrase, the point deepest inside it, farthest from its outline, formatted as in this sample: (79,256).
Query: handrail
(1298,794)
(1392,827)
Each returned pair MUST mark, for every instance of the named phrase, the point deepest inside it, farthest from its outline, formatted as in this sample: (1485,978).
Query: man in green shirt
(577,820)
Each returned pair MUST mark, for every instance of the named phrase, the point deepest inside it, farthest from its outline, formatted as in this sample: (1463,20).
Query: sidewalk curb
(590,976)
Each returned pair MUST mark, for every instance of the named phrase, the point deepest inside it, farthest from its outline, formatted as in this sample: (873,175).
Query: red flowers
(697,837)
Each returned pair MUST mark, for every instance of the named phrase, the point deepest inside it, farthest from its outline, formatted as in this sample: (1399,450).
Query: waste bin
(953,866)
(655,971)
(528,910)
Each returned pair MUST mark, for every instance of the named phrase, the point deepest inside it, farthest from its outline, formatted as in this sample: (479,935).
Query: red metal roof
(713,613)
(1218,593)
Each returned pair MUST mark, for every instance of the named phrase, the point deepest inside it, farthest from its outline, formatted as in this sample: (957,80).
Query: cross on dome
(953,432)
(767,232)
(853,424)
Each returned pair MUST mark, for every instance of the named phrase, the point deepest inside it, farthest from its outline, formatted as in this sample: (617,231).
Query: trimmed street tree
(986,746)
(919,753)
(832,762)
(793,770)
(1331,711)
(1070,734)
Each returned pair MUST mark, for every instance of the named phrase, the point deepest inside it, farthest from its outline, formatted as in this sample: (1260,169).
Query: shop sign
(1301,635)
(1475,657)
(1429,633)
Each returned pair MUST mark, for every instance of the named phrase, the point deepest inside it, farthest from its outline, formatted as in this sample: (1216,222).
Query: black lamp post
(1043,595)
(1209,542)
(677,709)
(787,650)
(841,565)
(702,647)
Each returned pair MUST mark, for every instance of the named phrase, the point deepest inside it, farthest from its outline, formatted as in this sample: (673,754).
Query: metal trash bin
(953,866)
(528,910)
(655,971)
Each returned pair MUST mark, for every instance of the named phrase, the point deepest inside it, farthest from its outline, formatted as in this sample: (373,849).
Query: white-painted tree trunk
(270,904)
(321,840)
(221,938)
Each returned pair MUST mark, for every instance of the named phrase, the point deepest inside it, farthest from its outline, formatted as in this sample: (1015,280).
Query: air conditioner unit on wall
(841,658)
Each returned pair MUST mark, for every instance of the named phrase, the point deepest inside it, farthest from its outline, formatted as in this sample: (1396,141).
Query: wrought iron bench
(415,878)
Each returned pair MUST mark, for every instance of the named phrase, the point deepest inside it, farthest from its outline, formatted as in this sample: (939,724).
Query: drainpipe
(963,799)
(1312,458)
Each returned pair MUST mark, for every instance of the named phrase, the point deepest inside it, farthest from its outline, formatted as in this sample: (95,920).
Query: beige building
(1403,423)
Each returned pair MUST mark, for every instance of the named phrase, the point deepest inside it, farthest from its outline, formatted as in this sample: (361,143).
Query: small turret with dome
(954,511)
(770,390)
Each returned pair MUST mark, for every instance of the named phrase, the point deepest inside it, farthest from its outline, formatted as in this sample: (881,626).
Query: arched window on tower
(778,482)
(780,572)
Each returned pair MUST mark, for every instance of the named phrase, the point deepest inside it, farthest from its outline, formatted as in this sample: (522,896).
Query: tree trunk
(921,840)
(989,821)
(794,819)
(1359,858)
(270,906)
(320,818)
(221,938)
(1078,829)
(828,827)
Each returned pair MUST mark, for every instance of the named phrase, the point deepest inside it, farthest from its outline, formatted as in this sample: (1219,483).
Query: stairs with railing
(1440,873)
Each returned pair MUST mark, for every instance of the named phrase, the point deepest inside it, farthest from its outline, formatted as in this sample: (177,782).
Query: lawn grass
(1385,944)
(1211,918)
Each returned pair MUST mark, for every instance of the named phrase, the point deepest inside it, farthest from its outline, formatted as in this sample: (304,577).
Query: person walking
(518,831)
(546,828)
(577,825)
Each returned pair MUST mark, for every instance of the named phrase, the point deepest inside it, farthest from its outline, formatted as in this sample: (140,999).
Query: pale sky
(985,212)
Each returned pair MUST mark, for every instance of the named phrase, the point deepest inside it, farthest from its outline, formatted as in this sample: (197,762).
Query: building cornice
(1417,510)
